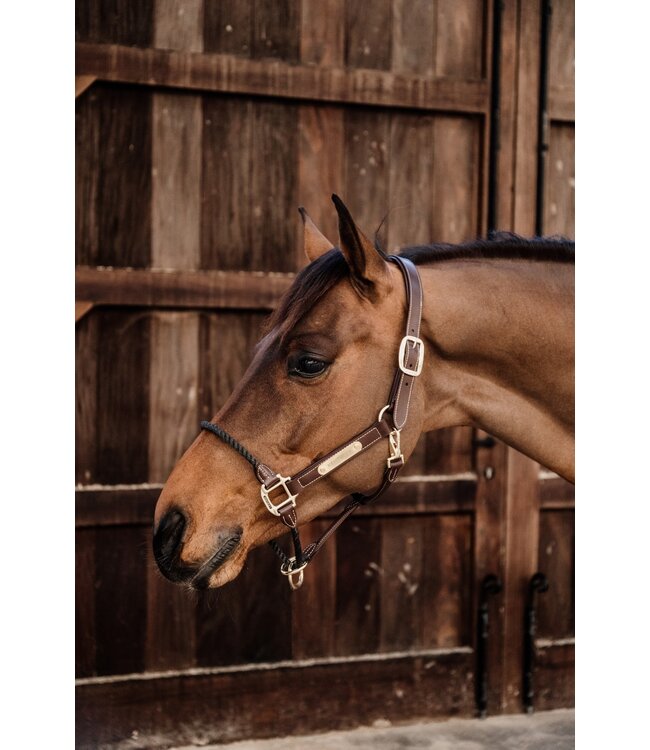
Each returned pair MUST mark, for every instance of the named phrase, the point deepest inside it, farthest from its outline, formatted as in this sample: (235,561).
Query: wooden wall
(207,123)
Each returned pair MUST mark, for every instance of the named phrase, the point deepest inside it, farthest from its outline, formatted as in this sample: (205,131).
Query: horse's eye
(307,366)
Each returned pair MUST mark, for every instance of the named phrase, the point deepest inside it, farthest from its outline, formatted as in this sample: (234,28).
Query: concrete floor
(549,730)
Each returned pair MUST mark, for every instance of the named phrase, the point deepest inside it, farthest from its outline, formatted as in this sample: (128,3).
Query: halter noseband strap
(279,493)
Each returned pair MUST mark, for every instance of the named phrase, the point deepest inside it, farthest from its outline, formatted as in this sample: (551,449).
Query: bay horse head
(321,374)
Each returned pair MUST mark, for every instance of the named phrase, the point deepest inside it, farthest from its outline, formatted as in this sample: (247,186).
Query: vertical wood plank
(559,203)
(274,180)
(120,621)
(178,24)
(447,566)
(414,36)
(124,177)
(87,149)
(367,141)
(358,586)
(86,400)
(556,607)
(115,22)
(322,27)
(368,34)
(226,227)
(85,637)
(562,45)
(459,38)
(228,27)
(173,387)
(401,578)
(176,181)
(276,29)
(321,169)
(123,398)
(410,179)
(456,179)
(314,605)
(449,451)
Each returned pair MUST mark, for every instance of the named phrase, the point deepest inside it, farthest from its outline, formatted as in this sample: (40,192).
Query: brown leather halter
(279,493)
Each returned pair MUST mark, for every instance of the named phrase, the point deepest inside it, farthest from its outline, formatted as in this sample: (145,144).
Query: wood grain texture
(86,400)
(276,29)
(562,45)
(120,621)
(459,41)
(87,151)
(449,451)
(115,21)
(177,123)
(367,143)
(554,677)
(178,24)
(456,179)
(85,636)
(559,204)
(556,607)
(322,29)
(122,398)
(275,78)
(227,706)
(368,37)
(414,37)
(228,27)
(321,169)
(181,289)
(173,388)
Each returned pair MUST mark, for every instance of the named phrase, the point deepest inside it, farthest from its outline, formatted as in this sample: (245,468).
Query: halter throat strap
(279,493)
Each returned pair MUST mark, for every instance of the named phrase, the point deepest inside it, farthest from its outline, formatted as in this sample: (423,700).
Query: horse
(493,348)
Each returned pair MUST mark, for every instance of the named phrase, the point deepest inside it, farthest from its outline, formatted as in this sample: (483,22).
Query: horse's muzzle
(168,543)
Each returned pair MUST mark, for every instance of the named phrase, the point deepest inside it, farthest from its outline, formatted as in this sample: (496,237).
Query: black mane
(314,281)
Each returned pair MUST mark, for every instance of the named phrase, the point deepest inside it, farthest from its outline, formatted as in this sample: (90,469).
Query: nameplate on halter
(340,458)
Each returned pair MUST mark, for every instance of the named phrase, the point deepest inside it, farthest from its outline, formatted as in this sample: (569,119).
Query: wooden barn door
(205,125)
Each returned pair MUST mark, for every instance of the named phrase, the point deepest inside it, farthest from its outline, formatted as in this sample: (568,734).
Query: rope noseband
(279,493)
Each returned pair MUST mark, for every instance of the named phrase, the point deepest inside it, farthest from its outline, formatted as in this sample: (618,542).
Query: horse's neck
(501,341)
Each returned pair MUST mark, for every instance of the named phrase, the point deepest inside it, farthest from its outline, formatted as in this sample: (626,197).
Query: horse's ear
(368,268)
(316,244)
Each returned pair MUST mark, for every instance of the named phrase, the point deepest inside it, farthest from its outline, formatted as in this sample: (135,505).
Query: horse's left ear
(368,267)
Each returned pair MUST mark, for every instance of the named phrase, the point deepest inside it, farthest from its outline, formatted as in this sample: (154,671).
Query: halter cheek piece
(279,493)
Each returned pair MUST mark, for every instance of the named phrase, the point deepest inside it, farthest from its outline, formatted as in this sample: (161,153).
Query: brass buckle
(287,570)
(286,504)
(402,353)
(396,455)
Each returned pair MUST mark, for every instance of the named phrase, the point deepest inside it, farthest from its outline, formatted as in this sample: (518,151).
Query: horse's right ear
(316,244)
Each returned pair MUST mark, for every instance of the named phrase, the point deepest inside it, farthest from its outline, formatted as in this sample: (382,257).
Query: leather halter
(279,493)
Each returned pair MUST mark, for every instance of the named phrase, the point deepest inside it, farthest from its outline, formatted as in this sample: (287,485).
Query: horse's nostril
(167,539)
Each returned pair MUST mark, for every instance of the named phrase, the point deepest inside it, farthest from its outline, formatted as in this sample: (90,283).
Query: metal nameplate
(341,457)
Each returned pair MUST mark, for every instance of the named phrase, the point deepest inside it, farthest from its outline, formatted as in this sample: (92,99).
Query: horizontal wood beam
(556,493)
(145,287)
(134,504)
(561,104)
(238,75)
(220,706)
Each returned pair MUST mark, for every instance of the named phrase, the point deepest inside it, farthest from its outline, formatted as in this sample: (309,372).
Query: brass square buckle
(282,507)
(402,355)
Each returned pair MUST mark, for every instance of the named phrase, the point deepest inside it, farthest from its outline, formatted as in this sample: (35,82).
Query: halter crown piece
(279,493)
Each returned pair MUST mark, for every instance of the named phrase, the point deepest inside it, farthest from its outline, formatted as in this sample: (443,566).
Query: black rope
(231,441)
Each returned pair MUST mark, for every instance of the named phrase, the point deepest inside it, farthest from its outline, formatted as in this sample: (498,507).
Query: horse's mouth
(201,580)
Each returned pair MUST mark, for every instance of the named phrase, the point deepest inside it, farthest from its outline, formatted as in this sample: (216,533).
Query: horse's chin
(227,572)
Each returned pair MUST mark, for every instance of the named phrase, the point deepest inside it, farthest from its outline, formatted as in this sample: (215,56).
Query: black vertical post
(542,115)
(490,585)
(538,584)
(495,119)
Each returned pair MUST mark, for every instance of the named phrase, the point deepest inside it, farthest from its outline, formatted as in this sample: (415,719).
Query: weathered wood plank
(230,74)
(368,34)
(231,704)
(559,204)
(556,607)
(561,104)
(228,27)
(178,24)
(173,385)
(562,45)
(181,289)
(177,124)
(554,676)
(86,401)
(276,29)
(556,493)
(414,36)
(322,32)
(85,636)
(459,40)
(115,21)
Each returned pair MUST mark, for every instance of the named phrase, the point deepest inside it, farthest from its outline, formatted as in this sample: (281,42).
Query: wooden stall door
(207,125)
